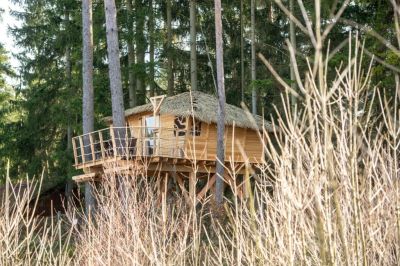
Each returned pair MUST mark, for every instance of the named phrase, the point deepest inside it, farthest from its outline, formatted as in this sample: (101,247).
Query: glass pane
(150,125)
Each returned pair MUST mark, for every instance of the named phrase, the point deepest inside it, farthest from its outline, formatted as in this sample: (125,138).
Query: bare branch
(293,18)
(373,33)
(276,75)
(335,19)
(295,68)
(308,23)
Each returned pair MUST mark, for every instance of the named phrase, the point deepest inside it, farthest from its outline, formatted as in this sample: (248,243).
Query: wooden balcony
(126,143)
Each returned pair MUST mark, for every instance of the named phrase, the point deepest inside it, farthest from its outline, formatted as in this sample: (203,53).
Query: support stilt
(192,188)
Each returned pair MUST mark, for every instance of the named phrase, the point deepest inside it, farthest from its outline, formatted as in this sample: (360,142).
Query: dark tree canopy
(35,116)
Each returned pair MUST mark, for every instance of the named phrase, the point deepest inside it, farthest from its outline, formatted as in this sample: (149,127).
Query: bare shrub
(26,238)
(327,194)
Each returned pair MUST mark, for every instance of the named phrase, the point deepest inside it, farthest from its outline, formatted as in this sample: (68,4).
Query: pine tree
(219,186)
(170,73)
(253,59)
(151,49)
(193,50)
(131,56)
(118,111)
(88,93)
(140,52)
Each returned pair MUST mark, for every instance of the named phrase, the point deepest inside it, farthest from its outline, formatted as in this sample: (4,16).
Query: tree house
(174,137)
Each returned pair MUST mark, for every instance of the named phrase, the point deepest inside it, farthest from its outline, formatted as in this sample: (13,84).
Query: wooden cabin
(173,134)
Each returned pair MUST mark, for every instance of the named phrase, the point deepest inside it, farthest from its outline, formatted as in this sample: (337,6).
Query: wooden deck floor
(150,165)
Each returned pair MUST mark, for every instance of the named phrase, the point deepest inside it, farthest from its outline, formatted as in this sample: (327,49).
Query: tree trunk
(151,49)
(131,57)
(114,67)
(193,51)
(242,84)
(140,52)
(253,59)
(293,42)
(88,98)
(169,51)
(219,186)
(68,76)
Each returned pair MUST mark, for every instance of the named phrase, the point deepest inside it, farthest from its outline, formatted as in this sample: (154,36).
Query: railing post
(159,142)
(92,147)
(127,142)
(141,141)
(74,149)
(102,145)
(135,138)
(82,149)
(113,141)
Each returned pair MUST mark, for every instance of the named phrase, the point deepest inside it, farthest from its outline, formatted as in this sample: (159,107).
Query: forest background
(42,108)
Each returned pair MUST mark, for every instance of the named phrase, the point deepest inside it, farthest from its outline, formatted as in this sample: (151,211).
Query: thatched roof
(204,109)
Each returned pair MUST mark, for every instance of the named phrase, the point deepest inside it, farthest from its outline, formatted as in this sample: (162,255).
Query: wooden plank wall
(167,138)
(201,147)
(253,146)
(232,136)
(135,121)
(204,147)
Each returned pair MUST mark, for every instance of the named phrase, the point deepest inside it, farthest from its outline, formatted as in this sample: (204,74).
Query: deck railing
(126,143)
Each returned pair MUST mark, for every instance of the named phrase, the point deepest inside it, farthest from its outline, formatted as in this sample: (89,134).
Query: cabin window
(180,126)
(196,128)
(150,124)
(151,130)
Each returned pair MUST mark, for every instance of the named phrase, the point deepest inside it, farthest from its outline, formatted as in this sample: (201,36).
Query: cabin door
(151,128)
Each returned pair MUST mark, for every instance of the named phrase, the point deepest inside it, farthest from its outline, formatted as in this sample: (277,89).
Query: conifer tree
(219,186)
(114,66)
(88,93)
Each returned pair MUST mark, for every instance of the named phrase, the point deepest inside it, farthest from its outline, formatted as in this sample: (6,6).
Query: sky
(5,38)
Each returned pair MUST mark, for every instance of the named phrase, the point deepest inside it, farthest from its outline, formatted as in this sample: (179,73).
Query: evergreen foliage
(35,116)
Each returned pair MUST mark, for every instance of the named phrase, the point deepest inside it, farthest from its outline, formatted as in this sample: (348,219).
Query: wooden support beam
(239,191)
(239,167)
(158,183)
(162,184)
(181,184)
(185,168)
(156,101)
(117,170)
(242,193)
(246,185)
(210,183)
(236,188)
(201,163)
(192,186)
(155,159)
(84,177)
